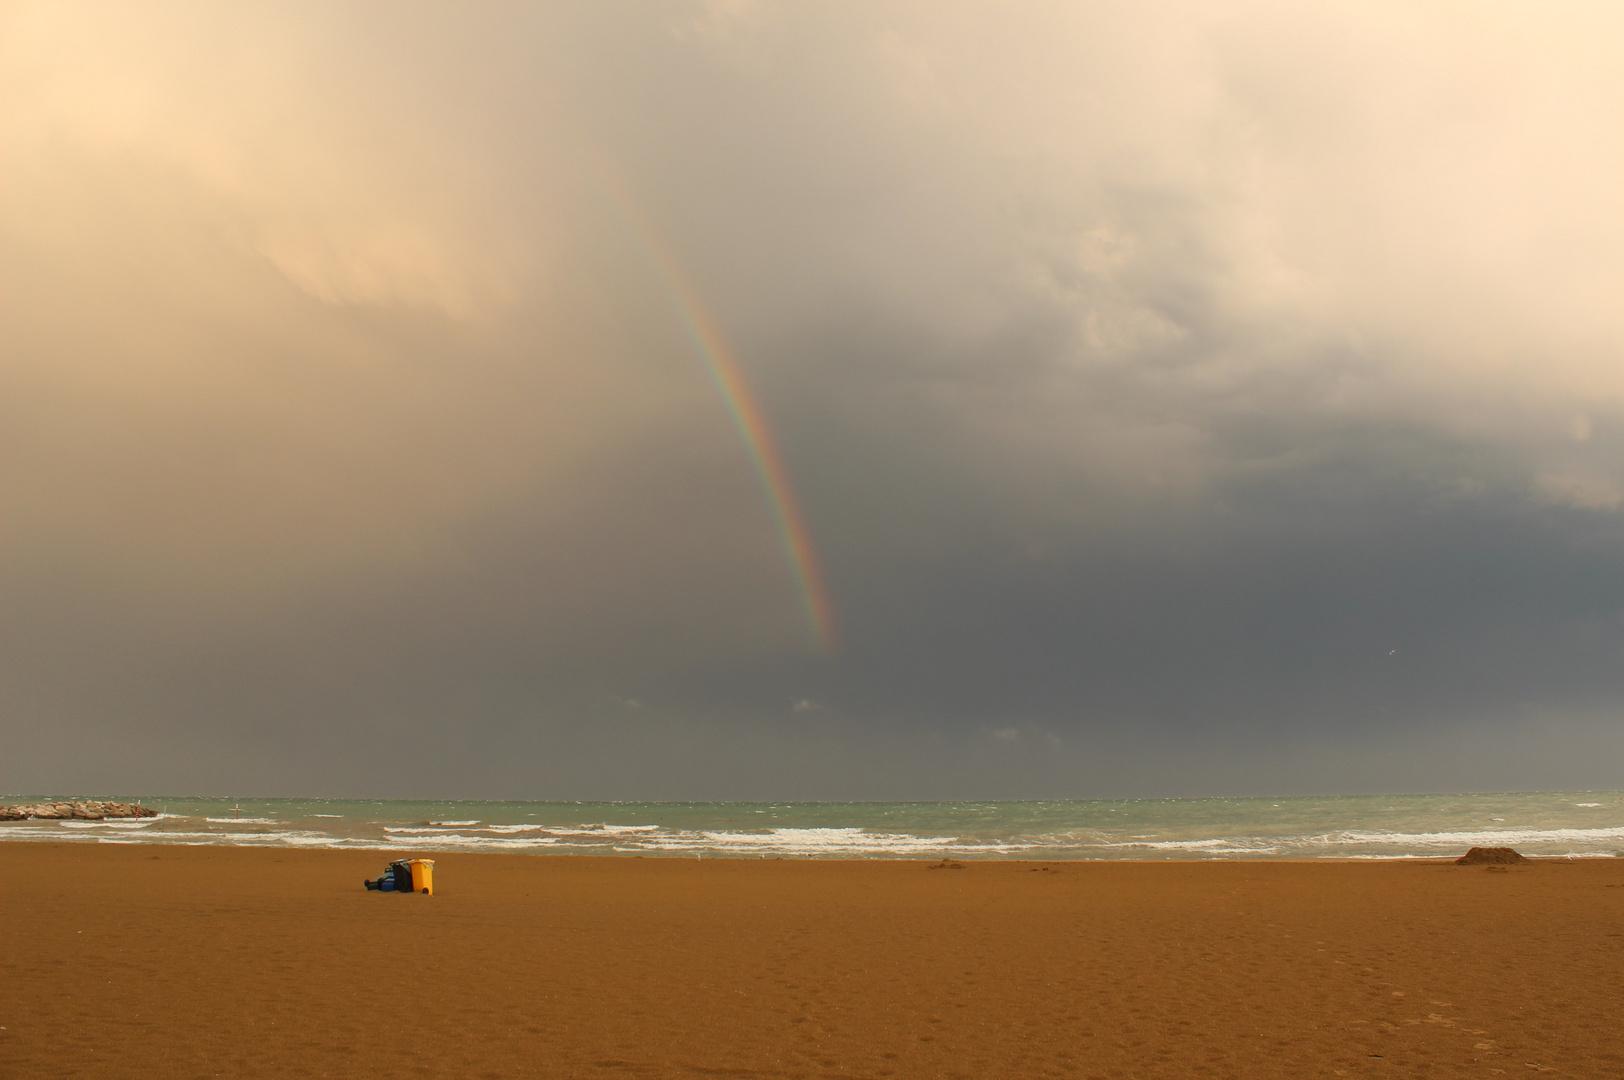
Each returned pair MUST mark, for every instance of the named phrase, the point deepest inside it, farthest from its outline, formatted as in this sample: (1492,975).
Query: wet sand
(169,962)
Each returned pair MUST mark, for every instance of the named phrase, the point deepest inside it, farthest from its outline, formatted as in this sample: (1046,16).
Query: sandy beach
(146,961)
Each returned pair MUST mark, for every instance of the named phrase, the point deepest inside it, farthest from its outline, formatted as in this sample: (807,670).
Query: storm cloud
(1182,399)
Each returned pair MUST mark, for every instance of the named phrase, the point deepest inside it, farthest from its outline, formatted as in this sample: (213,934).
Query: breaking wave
(1573,824)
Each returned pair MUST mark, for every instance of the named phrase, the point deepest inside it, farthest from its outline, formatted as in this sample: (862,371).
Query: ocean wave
(600,829)
(1234,846)
(824,841)
(833,840)
(653,840)
(32,832)
(1547,825)
(1480,837)
(446,841)
(441,828)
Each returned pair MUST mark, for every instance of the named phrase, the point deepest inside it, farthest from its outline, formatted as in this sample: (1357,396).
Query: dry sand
(172,963)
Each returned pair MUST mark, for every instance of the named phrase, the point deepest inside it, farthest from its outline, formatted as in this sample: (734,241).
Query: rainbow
(751,424)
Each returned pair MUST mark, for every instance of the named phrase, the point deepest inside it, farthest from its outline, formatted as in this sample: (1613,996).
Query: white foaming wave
(831,841)
(179,843)
(850,841)
(232,838)
(291,837)
(327,815)
(316,840)
(656,838)
(576,830)
(843,840)
(457,840)
(420,835)
(297,838)
(311,839)
(30,832)
(1587,804)
(1238,846)
(168,836)
(1480,838)
(441,828)
(827,842)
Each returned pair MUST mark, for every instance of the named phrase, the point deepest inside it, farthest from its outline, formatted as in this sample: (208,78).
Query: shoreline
(392,853)
(1543,824)
(971,858)
(128,960)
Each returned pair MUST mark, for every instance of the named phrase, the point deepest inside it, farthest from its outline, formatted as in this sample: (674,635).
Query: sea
(1569,824)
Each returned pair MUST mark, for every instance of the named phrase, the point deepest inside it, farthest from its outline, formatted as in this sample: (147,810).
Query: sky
(848,400)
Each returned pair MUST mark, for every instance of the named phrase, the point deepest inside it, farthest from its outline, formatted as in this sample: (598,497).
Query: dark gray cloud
(1213,399)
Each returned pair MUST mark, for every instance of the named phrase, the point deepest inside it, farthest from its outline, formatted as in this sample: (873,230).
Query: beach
(148,960)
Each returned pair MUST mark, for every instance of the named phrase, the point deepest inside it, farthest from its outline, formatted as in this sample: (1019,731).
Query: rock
(1497,856)
(82,810)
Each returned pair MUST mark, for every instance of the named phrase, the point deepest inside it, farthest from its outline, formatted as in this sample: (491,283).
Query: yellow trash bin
(422,875)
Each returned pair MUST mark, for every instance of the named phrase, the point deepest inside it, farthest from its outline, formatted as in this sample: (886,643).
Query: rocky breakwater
(78,810)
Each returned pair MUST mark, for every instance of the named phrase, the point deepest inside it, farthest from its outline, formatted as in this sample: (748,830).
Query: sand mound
(1498,856)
